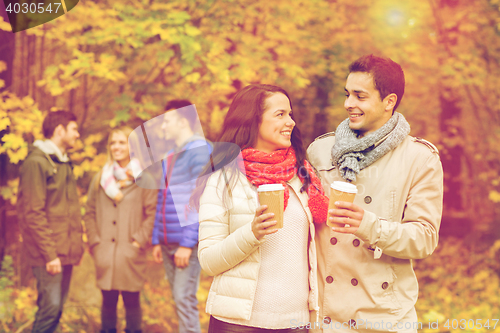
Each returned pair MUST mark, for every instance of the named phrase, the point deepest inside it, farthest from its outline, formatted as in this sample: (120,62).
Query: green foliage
(124,60)
(6,280)
(200,51)
(459,281)
(15,304)
(82,310)
(21,117)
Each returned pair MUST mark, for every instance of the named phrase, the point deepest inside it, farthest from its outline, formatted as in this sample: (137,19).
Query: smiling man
(365,274)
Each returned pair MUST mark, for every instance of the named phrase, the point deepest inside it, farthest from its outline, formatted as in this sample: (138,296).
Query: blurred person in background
(119,219)
(49,216)
(366,278)
(175,234)
(264,278)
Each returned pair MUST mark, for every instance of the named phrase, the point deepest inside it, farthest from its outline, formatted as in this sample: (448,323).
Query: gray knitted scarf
(352,154)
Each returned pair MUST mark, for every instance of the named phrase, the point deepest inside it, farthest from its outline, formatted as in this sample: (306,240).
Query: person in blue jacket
(175,233)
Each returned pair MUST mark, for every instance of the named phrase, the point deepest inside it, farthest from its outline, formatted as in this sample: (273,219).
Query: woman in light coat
(119,220)
(265,279)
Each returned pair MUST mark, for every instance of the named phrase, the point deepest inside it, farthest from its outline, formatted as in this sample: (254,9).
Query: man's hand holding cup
(346,217)
(343,215)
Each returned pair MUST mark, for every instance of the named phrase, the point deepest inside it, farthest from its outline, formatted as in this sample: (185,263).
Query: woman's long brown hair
(241,127)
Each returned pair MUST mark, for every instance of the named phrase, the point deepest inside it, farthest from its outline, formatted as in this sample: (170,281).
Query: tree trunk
(452,155)
(7,46)
(323,88)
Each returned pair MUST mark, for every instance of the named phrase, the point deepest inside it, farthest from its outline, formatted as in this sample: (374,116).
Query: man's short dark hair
(388,76)
(54,119)
(189,114)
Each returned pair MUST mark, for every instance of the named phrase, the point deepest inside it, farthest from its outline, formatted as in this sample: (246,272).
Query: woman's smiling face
(275,130)
(118,146)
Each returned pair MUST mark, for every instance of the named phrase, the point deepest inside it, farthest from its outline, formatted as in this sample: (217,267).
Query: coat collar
(50,148)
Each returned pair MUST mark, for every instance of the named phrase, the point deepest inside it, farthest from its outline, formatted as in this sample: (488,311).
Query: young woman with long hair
(265,279)
(119,220)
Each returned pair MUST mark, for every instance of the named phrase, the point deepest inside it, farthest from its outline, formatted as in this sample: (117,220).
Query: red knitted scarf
(279,167)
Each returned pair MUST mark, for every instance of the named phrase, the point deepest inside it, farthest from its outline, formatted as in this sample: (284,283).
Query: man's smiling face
(367,111)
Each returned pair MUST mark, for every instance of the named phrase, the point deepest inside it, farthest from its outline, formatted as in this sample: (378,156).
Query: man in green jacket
(49,216)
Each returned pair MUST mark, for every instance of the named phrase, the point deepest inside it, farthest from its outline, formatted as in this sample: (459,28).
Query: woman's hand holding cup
(261,225)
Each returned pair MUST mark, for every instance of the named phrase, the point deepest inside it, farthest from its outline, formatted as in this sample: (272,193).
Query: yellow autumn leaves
(22,117)
(460,281)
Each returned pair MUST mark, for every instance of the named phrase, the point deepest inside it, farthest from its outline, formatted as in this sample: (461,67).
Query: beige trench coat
(366,280)
(111,229)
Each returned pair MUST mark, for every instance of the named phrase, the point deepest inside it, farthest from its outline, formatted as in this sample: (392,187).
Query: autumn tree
(115,62)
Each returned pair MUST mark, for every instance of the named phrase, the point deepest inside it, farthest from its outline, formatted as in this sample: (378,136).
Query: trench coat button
(385,285)
(333,240)
(355,242)
(368,199)
(112,239)
(114,204)
(352,323)
(354,282)
(327,320)
(329,279)
(114,222)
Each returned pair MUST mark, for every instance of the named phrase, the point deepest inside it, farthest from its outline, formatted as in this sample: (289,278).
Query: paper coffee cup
(340,191)
(273,195)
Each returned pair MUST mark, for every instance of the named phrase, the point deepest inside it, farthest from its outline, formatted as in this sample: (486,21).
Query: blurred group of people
(205,214)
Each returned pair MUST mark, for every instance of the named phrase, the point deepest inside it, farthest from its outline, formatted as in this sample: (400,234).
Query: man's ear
(390,101)
(184,122)
(58,131)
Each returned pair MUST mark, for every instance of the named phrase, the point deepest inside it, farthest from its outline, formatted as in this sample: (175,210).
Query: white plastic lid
(270,187)
(344,187)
